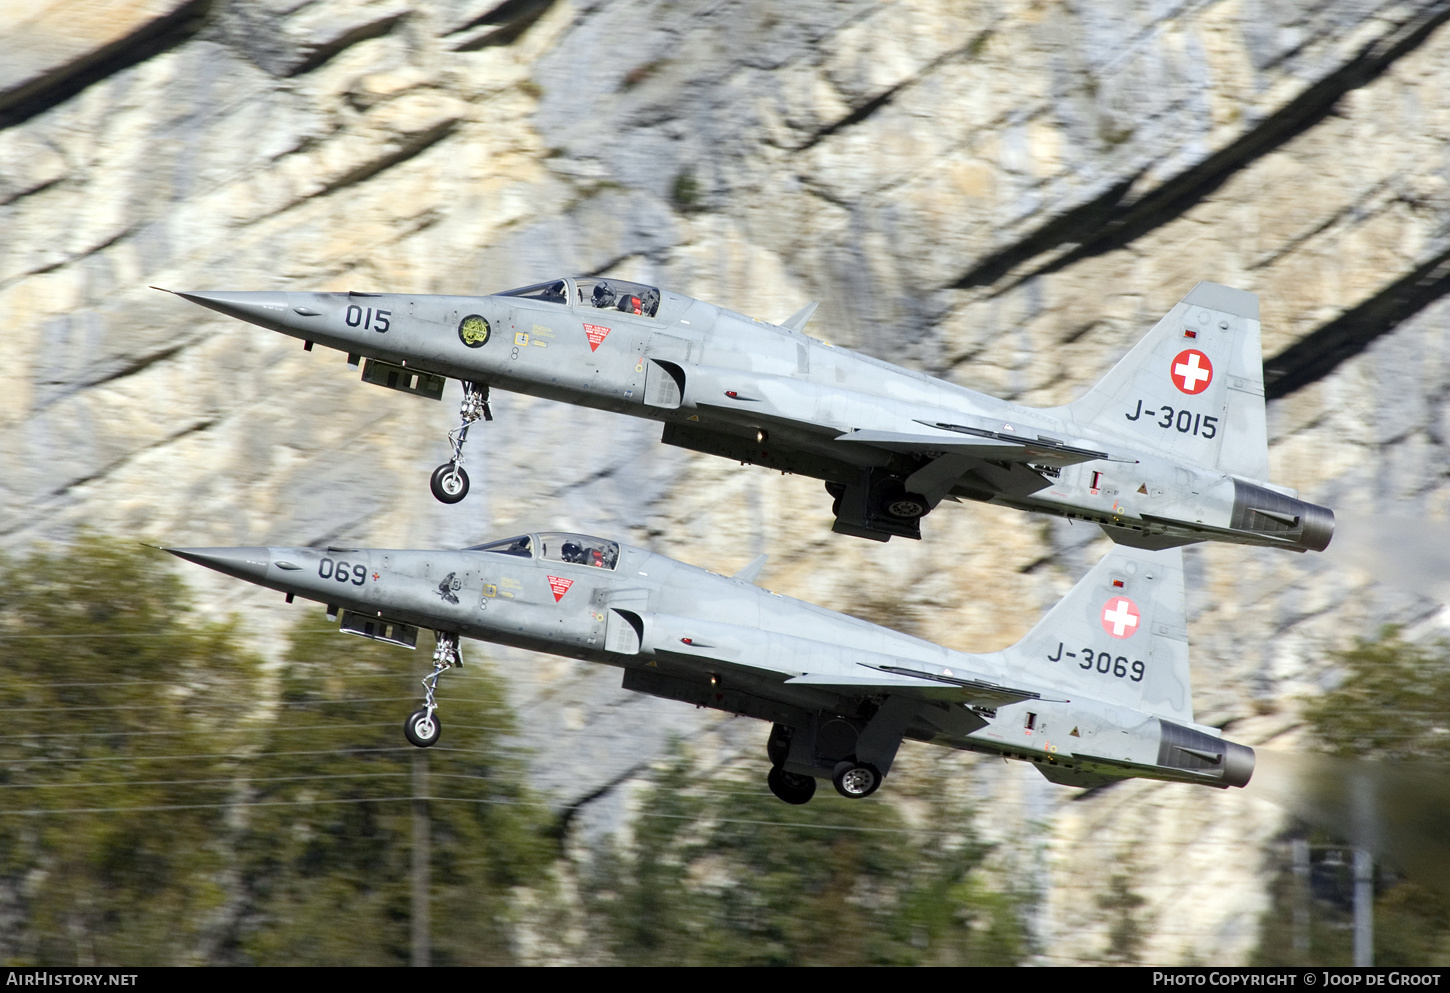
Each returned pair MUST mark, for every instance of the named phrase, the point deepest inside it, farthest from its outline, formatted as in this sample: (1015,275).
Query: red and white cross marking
(560,587)
(1120,617)
(596,335)
(1191,372)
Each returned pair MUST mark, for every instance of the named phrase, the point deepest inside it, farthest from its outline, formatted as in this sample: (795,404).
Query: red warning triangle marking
(596,335)
(560,587)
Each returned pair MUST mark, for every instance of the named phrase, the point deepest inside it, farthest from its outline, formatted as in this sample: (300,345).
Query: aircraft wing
(892,679)
(979,443)
(815,409)
(802,662)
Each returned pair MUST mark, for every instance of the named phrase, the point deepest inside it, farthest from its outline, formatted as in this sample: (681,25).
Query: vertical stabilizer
(1120,636)
(1192,389)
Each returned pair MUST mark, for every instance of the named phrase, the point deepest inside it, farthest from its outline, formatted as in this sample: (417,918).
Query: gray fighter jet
(1169,448)
(1097,692)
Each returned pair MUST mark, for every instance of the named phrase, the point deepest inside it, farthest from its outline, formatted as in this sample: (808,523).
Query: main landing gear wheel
(903,506)
(790,787)
(421,729)
(449,482)
(854,780)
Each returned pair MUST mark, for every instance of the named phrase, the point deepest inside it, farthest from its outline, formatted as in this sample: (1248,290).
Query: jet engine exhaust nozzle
(1261,510)
(1238,764)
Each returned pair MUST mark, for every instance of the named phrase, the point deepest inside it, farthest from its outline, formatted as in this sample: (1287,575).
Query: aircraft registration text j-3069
(890,444)
(1103,663)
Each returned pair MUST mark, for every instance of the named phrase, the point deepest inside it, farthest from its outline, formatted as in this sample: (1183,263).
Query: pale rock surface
(1007,195)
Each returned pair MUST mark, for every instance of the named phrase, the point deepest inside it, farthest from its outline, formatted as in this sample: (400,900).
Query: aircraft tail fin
(1193,388)
(1120,636)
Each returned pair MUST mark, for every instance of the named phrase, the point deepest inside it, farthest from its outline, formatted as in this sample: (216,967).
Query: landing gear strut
(877,506)
(450,482)
(422,728)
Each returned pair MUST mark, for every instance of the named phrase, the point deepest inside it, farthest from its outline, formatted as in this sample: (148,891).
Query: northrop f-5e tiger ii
(1169,448)
(1097,692)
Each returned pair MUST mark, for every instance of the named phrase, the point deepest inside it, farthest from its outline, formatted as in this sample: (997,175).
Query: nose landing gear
(422,728)
(450,482)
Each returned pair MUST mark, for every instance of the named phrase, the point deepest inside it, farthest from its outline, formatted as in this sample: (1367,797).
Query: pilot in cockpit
(603,296)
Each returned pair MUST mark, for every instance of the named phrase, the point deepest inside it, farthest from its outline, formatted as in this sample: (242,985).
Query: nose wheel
(450,483)
(423,728)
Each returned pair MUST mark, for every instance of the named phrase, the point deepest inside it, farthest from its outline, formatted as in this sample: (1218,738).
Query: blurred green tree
(328,852)
(127,726)
(722,873)
(1389,706)
(167,798)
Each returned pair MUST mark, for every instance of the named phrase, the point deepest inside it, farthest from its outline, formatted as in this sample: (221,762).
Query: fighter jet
(1097,692)
(1169,448)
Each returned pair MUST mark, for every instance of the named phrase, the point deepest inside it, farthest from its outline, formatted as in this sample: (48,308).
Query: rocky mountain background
(1006,195)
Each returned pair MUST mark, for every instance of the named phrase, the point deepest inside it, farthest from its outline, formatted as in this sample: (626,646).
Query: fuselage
(744,389)
(687,634)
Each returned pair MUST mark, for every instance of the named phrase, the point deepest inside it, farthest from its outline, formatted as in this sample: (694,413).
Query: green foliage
(328,856)
(1391,703)
(1125,933)
(686,193)
(110,696)
(640,73)
(1389,706)
(166,799)
(728,875)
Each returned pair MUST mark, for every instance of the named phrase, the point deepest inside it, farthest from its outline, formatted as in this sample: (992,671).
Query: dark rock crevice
(1111,222)
(323,53)
(414,146)
(106,470)
(65,81)
(574,808)
(883,98)
(1321,351)
(132,367)
(506,23)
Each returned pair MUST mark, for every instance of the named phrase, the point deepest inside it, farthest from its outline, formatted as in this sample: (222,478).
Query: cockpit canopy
(557,546)
(594,292)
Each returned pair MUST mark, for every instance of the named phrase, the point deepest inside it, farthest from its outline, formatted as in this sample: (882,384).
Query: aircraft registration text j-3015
(1170,447)
(1097,692)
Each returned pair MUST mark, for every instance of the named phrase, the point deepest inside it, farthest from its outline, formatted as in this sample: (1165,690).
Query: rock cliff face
(1006,195)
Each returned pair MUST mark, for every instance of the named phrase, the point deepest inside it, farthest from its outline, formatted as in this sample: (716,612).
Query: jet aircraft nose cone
(243,563)
(263,307)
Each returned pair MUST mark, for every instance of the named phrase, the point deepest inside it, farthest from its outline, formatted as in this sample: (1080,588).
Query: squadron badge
(473,331)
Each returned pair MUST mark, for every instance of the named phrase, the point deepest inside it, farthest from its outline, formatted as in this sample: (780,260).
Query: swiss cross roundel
(1120,617)
(1191,371)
